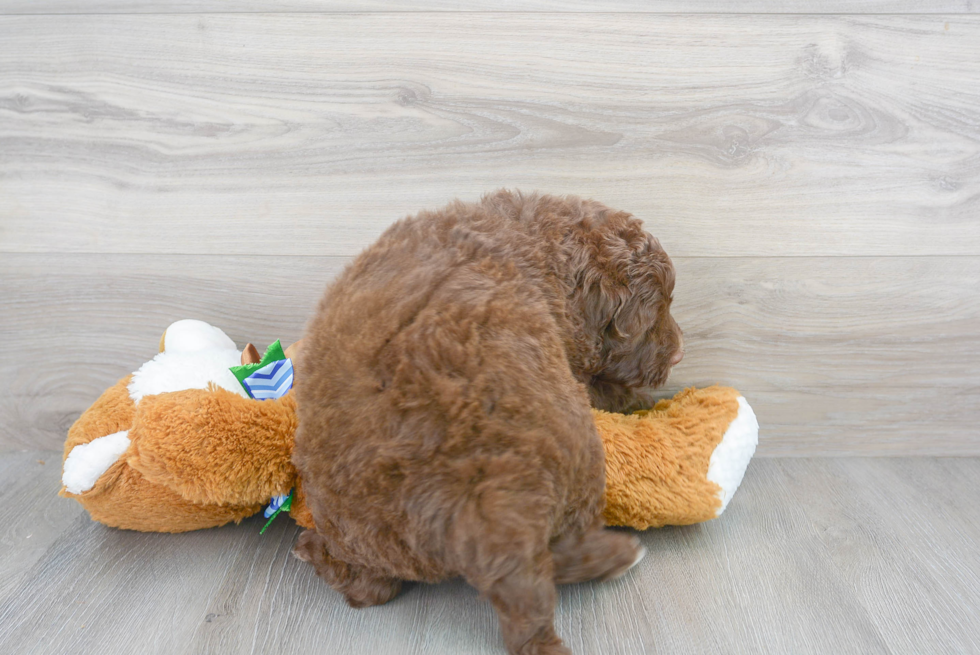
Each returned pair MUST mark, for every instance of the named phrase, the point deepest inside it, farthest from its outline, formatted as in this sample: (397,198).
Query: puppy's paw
(368,590)
(628,555)
(308,546)
(549,644)
(641,552)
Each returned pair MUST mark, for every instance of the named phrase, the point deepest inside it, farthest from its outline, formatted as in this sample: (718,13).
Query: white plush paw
(731,457)
(87,462)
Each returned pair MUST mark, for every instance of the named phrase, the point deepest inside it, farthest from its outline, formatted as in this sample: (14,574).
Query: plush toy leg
(97,475)
(123,498)
(678,463)
(215,448)
(111,414)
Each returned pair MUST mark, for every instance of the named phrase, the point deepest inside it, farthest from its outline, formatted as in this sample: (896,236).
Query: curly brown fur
(444,401)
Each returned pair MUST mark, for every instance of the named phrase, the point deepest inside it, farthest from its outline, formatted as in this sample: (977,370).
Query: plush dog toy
(188,442)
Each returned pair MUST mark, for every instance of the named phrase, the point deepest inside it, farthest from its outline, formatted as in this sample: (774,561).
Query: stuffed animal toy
(201,435)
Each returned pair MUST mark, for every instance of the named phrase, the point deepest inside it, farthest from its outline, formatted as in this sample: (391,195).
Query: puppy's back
(434,365)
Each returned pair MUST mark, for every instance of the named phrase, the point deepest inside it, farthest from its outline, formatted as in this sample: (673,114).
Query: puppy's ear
(615,268)
(632,285)
(650,269)
(634,316)
(596,300)
(602,307)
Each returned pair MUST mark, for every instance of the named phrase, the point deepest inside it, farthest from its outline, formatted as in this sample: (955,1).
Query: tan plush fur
(656,461)
(122,497)
(222,465)
(197,458)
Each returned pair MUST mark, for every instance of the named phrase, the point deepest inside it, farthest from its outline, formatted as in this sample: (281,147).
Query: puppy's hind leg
(596,554)
(360,586)
(509,562)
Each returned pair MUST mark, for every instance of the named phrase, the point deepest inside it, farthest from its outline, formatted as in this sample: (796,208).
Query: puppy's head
(625,286)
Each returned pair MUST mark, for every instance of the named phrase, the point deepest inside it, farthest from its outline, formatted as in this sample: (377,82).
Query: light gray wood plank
(837,355)
(80,323)
(755,581)
(868,420)
(562,6)
(32,516)
(772,323)
(224,590)
(812,556)
(889,526)
(307,134)
(104,590)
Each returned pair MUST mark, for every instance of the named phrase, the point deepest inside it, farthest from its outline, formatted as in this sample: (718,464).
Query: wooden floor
(837,556)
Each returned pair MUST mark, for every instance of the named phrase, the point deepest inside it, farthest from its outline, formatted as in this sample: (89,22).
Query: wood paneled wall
(815,177)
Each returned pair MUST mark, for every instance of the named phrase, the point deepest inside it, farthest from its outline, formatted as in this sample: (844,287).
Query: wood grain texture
(33,517)
(831,556)
(563,6)
(884,526)
(837,355)
(734,135)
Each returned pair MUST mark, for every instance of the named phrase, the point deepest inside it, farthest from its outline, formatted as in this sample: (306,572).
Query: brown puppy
(444,390)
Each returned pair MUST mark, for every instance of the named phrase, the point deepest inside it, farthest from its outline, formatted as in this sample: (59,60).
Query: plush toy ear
(250,355)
